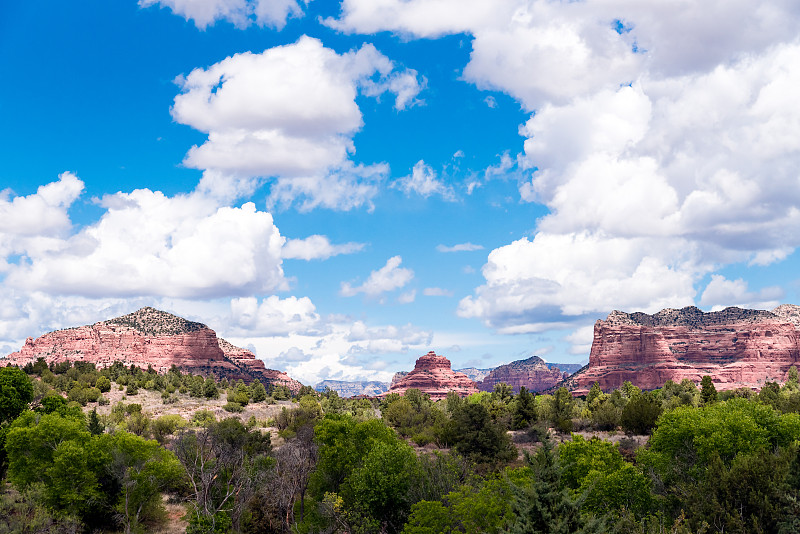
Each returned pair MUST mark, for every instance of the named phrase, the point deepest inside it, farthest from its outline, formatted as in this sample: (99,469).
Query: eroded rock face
(433,375)
(533,373)
(150,337)
(736,347)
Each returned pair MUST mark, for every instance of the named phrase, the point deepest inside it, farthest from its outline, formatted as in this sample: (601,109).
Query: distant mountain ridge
(533,373)
(353,388)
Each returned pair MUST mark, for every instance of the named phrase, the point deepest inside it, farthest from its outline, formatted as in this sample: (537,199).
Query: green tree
(103,384)
(708,393)
(472,432)
(94,425)
(380,485)
(595,470)
(524,411)
(59,454)
(546,505)
(210,390)
(483,508)
(562,404)
(594,394)
(259,393)
(792,379)
(142,469)
(16,392)
(640,414)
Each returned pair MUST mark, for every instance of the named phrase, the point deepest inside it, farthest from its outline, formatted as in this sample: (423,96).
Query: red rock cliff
(737,347)
(433,375)
(150,337)
(533,373)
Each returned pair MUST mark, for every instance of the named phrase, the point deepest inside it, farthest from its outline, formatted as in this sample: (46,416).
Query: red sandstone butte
(533,373)
(736,347)
(433,375)
(155,338)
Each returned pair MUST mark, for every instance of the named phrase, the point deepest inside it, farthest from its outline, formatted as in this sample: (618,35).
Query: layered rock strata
(736,347)
(533,373)
(434,376)
(150,337)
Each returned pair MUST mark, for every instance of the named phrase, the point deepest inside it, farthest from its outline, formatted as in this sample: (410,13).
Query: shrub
(103,384)
(233,407)
(640,414)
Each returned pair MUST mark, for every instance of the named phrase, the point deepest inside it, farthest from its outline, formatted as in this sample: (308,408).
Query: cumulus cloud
(460,247)
(721,293)
(240,13)
(274,316)
(149,244)
(43,213)
(317,247)
(540,51)
(555,280)
(341,349)
(423,181)
(664,145)
(298,132)
(388,278)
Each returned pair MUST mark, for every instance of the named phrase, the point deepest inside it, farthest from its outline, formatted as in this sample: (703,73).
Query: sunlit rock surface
(150,337)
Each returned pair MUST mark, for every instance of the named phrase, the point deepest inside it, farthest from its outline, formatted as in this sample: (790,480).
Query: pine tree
(708,393)
(546,505)
(95,426)
(524,409)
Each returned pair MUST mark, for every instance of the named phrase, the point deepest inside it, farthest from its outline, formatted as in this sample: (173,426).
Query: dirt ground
(186,406)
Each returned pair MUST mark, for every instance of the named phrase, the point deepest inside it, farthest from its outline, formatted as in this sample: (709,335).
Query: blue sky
(342,187)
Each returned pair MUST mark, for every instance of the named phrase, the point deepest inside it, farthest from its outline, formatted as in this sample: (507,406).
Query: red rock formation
(737,347)
(150,337)
(433,375)
(533,373)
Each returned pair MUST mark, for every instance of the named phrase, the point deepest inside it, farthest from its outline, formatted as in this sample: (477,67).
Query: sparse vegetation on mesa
(153,322)
(713,461)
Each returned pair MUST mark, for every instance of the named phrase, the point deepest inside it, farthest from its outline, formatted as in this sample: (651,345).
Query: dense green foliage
(714,461)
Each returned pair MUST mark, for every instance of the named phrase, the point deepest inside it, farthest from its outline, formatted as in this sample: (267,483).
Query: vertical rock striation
(433,375)
(736,347)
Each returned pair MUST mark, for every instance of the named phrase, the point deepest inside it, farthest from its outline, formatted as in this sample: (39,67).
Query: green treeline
(681,459)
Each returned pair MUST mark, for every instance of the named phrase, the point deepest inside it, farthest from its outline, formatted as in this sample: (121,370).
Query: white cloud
(407,297)
(461,247)
(388,278)
(317,247)
(540,51)
(43,213)
(274,316)
(555,280)
(344,350)
(299,132)
(423,181)
(721,293)
(650,187)
(437,292)
(490,101)
(148,244)
(240,13)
